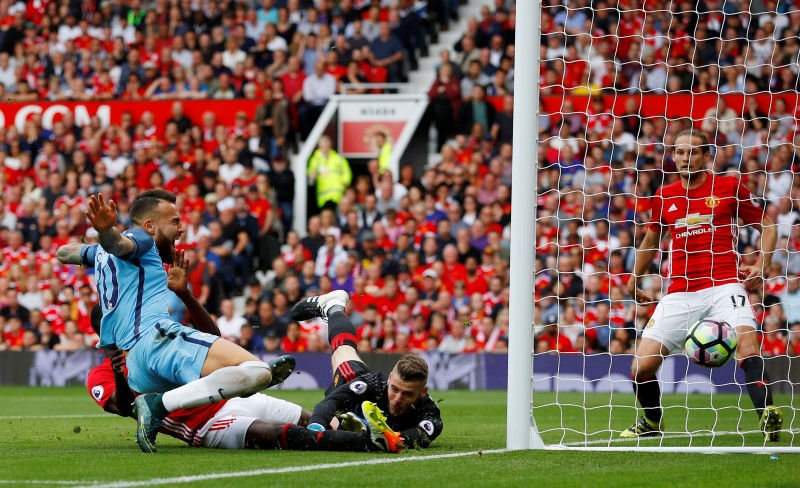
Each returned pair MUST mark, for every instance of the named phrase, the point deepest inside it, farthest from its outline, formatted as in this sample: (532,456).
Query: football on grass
(711,342)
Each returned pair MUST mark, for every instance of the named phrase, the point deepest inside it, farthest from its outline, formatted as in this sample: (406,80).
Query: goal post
(582,400)
(521,431)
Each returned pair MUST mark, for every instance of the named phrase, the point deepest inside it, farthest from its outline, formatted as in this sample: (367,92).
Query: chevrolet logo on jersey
(694,220)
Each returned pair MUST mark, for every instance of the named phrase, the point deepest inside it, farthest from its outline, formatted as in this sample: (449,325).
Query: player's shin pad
(757,383)
(648,392)
(225,383)
(341,331)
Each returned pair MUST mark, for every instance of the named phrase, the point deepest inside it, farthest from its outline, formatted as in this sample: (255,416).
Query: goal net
(617,81)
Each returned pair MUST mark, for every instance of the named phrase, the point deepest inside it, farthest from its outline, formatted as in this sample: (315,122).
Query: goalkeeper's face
(689,156)
(403,394)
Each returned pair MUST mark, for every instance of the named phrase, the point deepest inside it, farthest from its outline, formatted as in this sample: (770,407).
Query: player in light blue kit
(191,367)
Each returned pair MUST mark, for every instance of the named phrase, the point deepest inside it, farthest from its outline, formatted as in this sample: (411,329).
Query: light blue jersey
(132,290)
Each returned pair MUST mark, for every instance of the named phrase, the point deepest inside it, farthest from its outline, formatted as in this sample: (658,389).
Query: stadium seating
(434,254)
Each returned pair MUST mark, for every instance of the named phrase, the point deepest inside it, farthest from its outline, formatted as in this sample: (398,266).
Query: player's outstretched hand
(640,296)
(102,216)
(751,276)
(177,280)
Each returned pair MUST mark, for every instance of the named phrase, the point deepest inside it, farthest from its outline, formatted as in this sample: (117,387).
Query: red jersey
(52,314)
(703,224)
(453,273)
(184,424)
(21,255)
(179,185)
(541,283)
(361,301)
(775,286)
(337,71)
(14,339)
(245,181)
(259,207)
(143,173)
(418,341)
(69,202)
(476,284)
(627,29)
(599,123)
(190,204)
(292,83)
(288,345)
(772,344)
(490,300)
(558,342)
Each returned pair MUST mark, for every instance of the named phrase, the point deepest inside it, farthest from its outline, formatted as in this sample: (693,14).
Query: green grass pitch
(58,437)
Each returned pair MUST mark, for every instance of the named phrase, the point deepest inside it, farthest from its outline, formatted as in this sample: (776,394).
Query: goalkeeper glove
(352,422)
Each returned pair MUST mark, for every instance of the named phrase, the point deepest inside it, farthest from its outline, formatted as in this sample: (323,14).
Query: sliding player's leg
(231,427)
(732,304)
(196,368)
(272,435)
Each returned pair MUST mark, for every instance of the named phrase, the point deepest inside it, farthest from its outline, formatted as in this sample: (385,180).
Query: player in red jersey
(701,213)
(256,422)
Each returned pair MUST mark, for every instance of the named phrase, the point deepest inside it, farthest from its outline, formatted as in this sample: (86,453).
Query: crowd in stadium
(424,257)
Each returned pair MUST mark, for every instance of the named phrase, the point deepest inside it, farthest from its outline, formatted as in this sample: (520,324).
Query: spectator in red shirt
(793,345)
(556,341)
(13,334)
(294,341)
(772,340)
(418,338)
(454,271)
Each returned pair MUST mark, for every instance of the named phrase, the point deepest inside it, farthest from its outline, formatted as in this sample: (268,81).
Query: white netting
(619,81)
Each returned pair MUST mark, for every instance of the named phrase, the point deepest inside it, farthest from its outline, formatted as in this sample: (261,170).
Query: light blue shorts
(166,357)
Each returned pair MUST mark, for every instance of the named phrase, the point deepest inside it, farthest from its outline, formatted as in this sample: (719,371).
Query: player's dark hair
(147,202)
(95,317)
(411,367)
(704,146)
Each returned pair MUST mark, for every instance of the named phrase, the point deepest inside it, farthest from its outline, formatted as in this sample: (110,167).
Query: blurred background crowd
(424,254)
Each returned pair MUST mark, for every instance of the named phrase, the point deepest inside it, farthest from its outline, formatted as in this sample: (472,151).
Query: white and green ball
(711,342)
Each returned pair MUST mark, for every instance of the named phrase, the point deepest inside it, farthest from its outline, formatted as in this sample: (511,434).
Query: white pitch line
(291,469)
(676,436)
(77,416)
(39,482)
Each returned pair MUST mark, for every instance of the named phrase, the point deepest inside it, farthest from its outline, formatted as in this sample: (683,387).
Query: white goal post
(521,428)
(572,395)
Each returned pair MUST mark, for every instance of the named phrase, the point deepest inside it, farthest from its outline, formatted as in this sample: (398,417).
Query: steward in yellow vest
(330,171)
(384,151)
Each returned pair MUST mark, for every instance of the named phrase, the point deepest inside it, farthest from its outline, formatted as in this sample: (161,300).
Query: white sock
(335,302)
(232,381)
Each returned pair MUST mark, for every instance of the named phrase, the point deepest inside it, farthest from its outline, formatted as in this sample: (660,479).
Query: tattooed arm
(76,253)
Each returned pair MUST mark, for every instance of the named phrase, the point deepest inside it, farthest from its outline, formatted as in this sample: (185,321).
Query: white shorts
(228,429)
(676,312)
